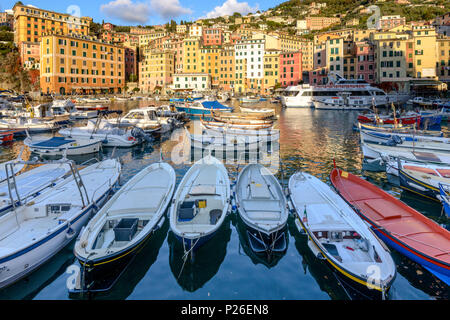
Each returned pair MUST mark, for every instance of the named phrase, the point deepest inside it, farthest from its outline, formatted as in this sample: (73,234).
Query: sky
(147,12)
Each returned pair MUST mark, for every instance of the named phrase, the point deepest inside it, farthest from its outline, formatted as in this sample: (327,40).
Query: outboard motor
(139,133)
(397,139)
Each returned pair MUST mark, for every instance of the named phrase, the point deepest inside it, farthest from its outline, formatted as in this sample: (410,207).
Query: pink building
(212,36)
(290,68)
(30,55)
(365,61)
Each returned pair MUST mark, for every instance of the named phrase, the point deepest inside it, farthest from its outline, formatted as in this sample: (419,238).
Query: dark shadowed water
(225,267)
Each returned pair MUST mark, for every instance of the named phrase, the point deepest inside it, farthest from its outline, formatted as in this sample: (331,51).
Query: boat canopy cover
(53,142)
(214,105)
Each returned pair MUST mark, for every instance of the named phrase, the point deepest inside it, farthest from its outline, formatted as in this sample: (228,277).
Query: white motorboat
(23,187)
(101,129)
(262,206)
(201,202)
(144,118)
(63,145)
(33,233)
(302,96)
(339,236)
(342,102)
(32,125)
(124,225)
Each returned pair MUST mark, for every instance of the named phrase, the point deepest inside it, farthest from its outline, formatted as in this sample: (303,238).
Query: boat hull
(104,272)
(195,243)
(84,149)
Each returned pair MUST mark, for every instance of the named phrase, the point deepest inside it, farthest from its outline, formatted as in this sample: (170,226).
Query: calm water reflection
(225,268)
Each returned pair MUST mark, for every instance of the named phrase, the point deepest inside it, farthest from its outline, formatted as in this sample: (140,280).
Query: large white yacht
(302,96)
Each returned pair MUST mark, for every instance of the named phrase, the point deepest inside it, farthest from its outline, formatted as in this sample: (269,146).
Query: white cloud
(126,10)
(229,7)
(169,9)
(140,12)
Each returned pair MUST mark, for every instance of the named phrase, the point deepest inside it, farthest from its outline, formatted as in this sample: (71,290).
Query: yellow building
(443,58)
(227,68)
(240,83)
(210,62)
(80,64)
(30,23)
(307,49)
(271,70)
(191,55)
(424,51)
(146,38)
(156,69)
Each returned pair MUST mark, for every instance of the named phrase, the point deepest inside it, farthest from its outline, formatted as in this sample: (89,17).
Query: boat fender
(70,233)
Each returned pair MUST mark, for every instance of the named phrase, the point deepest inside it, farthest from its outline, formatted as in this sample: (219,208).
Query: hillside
(415,10)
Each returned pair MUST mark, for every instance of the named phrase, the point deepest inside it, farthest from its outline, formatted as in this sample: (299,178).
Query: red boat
(405,120)
(7,135)
(397,224)
(91,108)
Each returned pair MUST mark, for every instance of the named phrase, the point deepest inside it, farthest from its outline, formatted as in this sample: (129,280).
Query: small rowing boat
(424,180)
(398,225)
(339,236)
(123,226)
(262,206)
(201,202)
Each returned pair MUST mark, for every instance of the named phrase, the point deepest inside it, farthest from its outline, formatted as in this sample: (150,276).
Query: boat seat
(108,239)
(259,191)
(203,190)
(379,207)
(262,209)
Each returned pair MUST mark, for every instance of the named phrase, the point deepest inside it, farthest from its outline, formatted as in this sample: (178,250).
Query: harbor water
(225,267)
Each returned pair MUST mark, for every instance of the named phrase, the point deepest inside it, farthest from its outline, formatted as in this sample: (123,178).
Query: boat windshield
(290,93)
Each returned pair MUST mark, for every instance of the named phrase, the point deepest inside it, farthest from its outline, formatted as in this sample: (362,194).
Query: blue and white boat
(199,108)
(33,233)
(60,145)
(201,203)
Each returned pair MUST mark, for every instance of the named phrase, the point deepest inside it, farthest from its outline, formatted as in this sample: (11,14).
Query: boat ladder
(79,182)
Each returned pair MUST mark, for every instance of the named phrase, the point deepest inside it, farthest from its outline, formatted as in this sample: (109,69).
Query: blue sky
(147,12)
